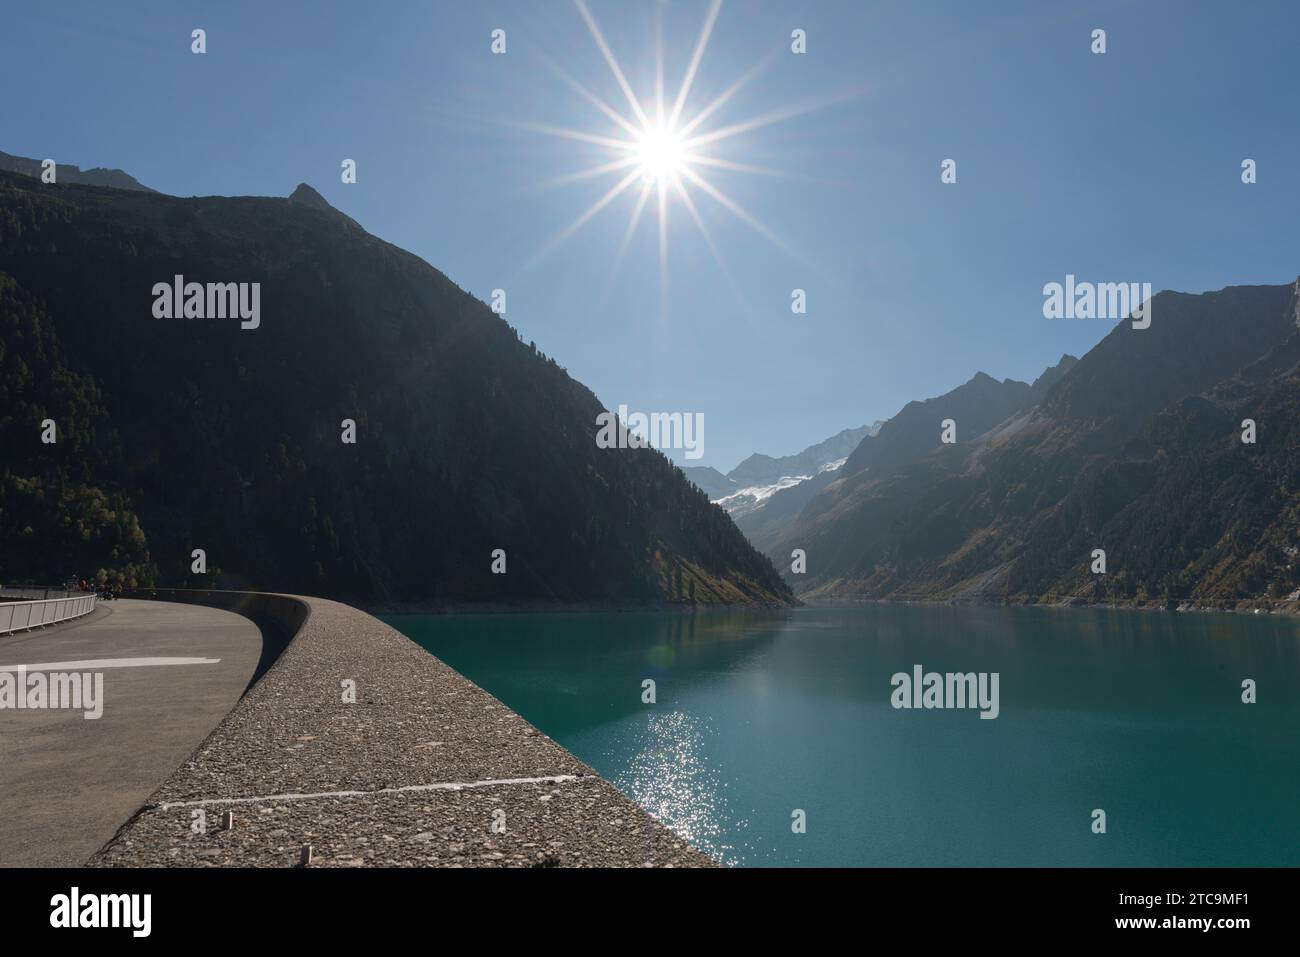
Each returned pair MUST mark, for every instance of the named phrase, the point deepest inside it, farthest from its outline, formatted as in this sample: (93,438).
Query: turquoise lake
(759,714)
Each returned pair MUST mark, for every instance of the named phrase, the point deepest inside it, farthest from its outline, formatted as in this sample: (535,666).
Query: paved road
(68,783)
(369,750)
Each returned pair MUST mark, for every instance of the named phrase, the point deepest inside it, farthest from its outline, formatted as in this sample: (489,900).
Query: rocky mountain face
(976,407)
(1136,450)
(914,431)
(231,434)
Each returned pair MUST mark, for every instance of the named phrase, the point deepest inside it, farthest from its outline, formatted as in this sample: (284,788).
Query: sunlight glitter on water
(669,776)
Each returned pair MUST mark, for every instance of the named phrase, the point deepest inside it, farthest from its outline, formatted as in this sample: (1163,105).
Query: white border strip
(408,789)
(99,664)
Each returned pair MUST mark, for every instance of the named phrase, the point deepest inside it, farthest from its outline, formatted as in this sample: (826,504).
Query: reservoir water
(761,714)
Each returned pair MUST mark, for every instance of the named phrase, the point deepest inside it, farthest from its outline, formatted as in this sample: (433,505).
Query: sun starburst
(663,151)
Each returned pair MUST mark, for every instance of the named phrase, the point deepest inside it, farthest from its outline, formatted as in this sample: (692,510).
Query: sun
(662,155)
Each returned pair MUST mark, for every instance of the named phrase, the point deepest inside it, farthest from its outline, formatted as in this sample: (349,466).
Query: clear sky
(1124,166)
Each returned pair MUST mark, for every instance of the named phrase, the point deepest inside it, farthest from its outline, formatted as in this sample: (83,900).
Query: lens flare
(665,148)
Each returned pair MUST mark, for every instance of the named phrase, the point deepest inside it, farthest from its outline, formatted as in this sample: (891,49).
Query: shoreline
(558,608)
(1244,607)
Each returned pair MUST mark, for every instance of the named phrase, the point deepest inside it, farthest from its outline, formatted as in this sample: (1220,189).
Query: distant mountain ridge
(762,492)
(761,470)
(68,174)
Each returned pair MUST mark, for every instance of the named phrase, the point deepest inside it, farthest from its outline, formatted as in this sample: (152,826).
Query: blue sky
(1116,167)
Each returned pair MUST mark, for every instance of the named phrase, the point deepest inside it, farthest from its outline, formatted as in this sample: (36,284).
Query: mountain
(709,481)
(304,195)
(765,523)
(975,406)
(59,518)
(758,472)
(765,470)
(228,434)
(1136,449)
(68,175)
(761,493)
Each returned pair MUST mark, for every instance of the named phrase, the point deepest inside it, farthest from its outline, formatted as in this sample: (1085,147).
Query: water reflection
(668,774)
(571,672)
(761,713)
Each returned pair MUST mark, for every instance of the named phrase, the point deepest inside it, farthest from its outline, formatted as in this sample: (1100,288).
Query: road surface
(170,673)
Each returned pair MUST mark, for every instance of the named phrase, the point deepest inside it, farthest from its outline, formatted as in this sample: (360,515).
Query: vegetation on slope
(468,440)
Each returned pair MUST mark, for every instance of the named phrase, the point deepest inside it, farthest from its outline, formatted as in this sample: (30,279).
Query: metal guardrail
(21,615)
(37,593)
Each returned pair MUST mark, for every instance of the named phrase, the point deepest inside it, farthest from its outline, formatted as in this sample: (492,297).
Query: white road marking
(99,664)
(408,789)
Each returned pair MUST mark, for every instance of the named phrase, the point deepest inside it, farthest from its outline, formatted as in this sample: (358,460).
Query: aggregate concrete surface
(425,768)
